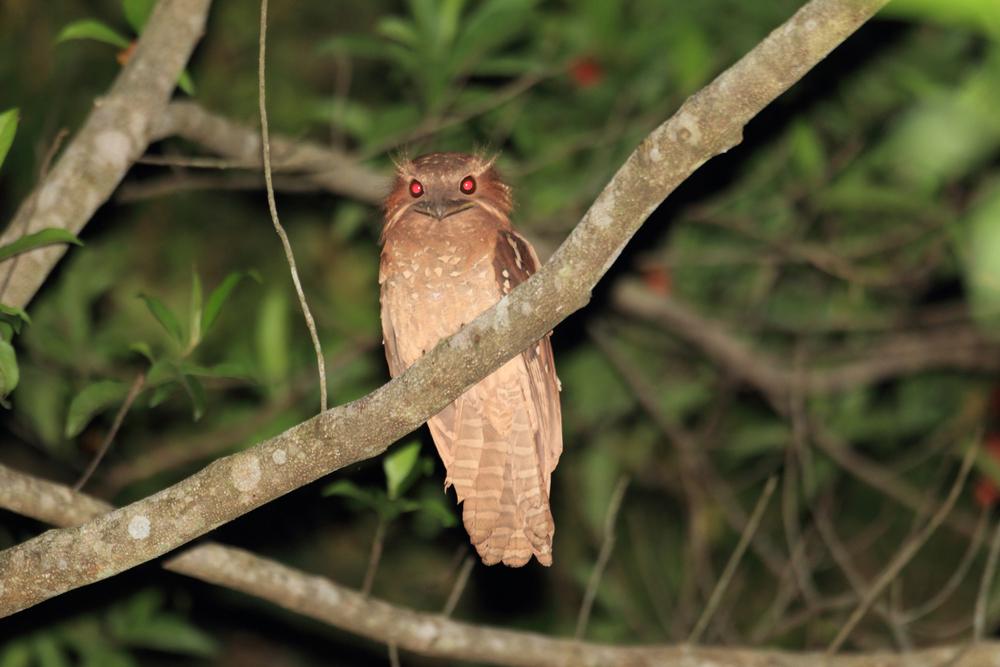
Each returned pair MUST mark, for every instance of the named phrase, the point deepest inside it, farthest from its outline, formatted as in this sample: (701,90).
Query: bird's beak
(441,208)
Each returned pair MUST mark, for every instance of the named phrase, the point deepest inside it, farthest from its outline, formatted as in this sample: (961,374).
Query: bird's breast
(435,277)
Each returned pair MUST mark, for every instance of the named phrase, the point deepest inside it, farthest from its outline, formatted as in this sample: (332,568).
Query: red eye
(416,189)
(468,185)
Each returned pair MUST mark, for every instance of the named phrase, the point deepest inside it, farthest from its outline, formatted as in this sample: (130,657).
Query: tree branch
(114,135)
(434,634)
(953,347)
(321,165)
(708,123)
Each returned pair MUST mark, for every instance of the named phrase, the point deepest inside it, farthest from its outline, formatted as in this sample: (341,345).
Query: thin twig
(905,554)
(394,655)
(957,576)
(734,561)
(603,556)
(828,533)
(460,581)
(979,624)
(133,393)
(265,145)
(199,162)
(375,556)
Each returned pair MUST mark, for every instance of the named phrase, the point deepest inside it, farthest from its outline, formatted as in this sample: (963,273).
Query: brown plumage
(449,253)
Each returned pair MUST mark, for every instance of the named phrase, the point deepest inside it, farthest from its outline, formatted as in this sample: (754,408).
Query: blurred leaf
(9,373)
(399,465)
(348,489)
(234,370)
(47,651)
(164,316)
(15,654)
(194,311)
(271,334)
(186,83)
(162,393)
(434,507)
(143,349)
(13,316)
(218,297)
(93,29)
(807,150)
(94,398)
(982,260)
(978,14)
(143,623)
(8,128)
(44,237)
(170,633)
(196,392)
(42,401)
(137,12)
(395,28)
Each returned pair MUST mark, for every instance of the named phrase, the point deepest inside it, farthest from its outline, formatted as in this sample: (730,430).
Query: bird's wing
(515,255)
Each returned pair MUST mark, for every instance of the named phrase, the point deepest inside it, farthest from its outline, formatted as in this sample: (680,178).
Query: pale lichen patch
(280,457)
(245,473)
(112,149)
(138,527)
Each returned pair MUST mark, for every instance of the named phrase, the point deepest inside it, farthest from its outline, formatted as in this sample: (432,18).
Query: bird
(449,253)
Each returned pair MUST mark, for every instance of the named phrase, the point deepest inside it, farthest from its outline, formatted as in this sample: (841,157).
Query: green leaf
(196,392)
(194,311)
(14,316)
(399,30)
(162,393)
(95,30)
(982,261)
(9,372)
(164,316)
(170,633)
(398,466)
(16,654)
(435,508)
(44,237)
(219,295)
(94,399)
(271,337)
(142,348)
(47,651)
(186,83)
(137,13)
(348,489)
(8,128)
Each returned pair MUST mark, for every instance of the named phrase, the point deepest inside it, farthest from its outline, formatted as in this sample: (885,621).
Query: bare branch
(433,634)
(321,165)
(709,123)
(114,135)
(273,208)
(955,347)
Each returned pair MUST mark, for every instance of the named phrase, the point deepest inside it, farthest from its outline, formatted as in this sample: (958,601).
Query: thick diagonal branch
(114,135)
(707,124)
(432,634)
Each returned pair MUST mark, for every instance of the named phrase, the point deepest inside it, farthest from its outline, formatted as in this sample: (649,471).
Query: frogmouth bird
(449,253)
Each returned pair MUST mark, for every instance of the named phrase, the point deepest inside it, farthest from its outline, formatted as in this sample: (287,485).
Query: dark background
(858,219)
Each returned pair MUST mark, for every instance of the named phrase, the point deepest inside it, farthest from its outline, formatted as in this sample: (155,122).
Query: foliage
(860,214)
(111,637)
(136,13)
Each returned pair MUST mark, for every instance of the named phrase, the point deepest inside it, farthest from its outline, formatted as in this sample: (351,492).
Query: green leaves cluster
(137,13)
(109,638)
(403,467)
(171,369)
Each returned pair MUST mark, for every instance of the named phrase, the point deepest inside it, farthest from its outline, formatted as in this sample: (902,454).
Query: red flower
(586,72)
